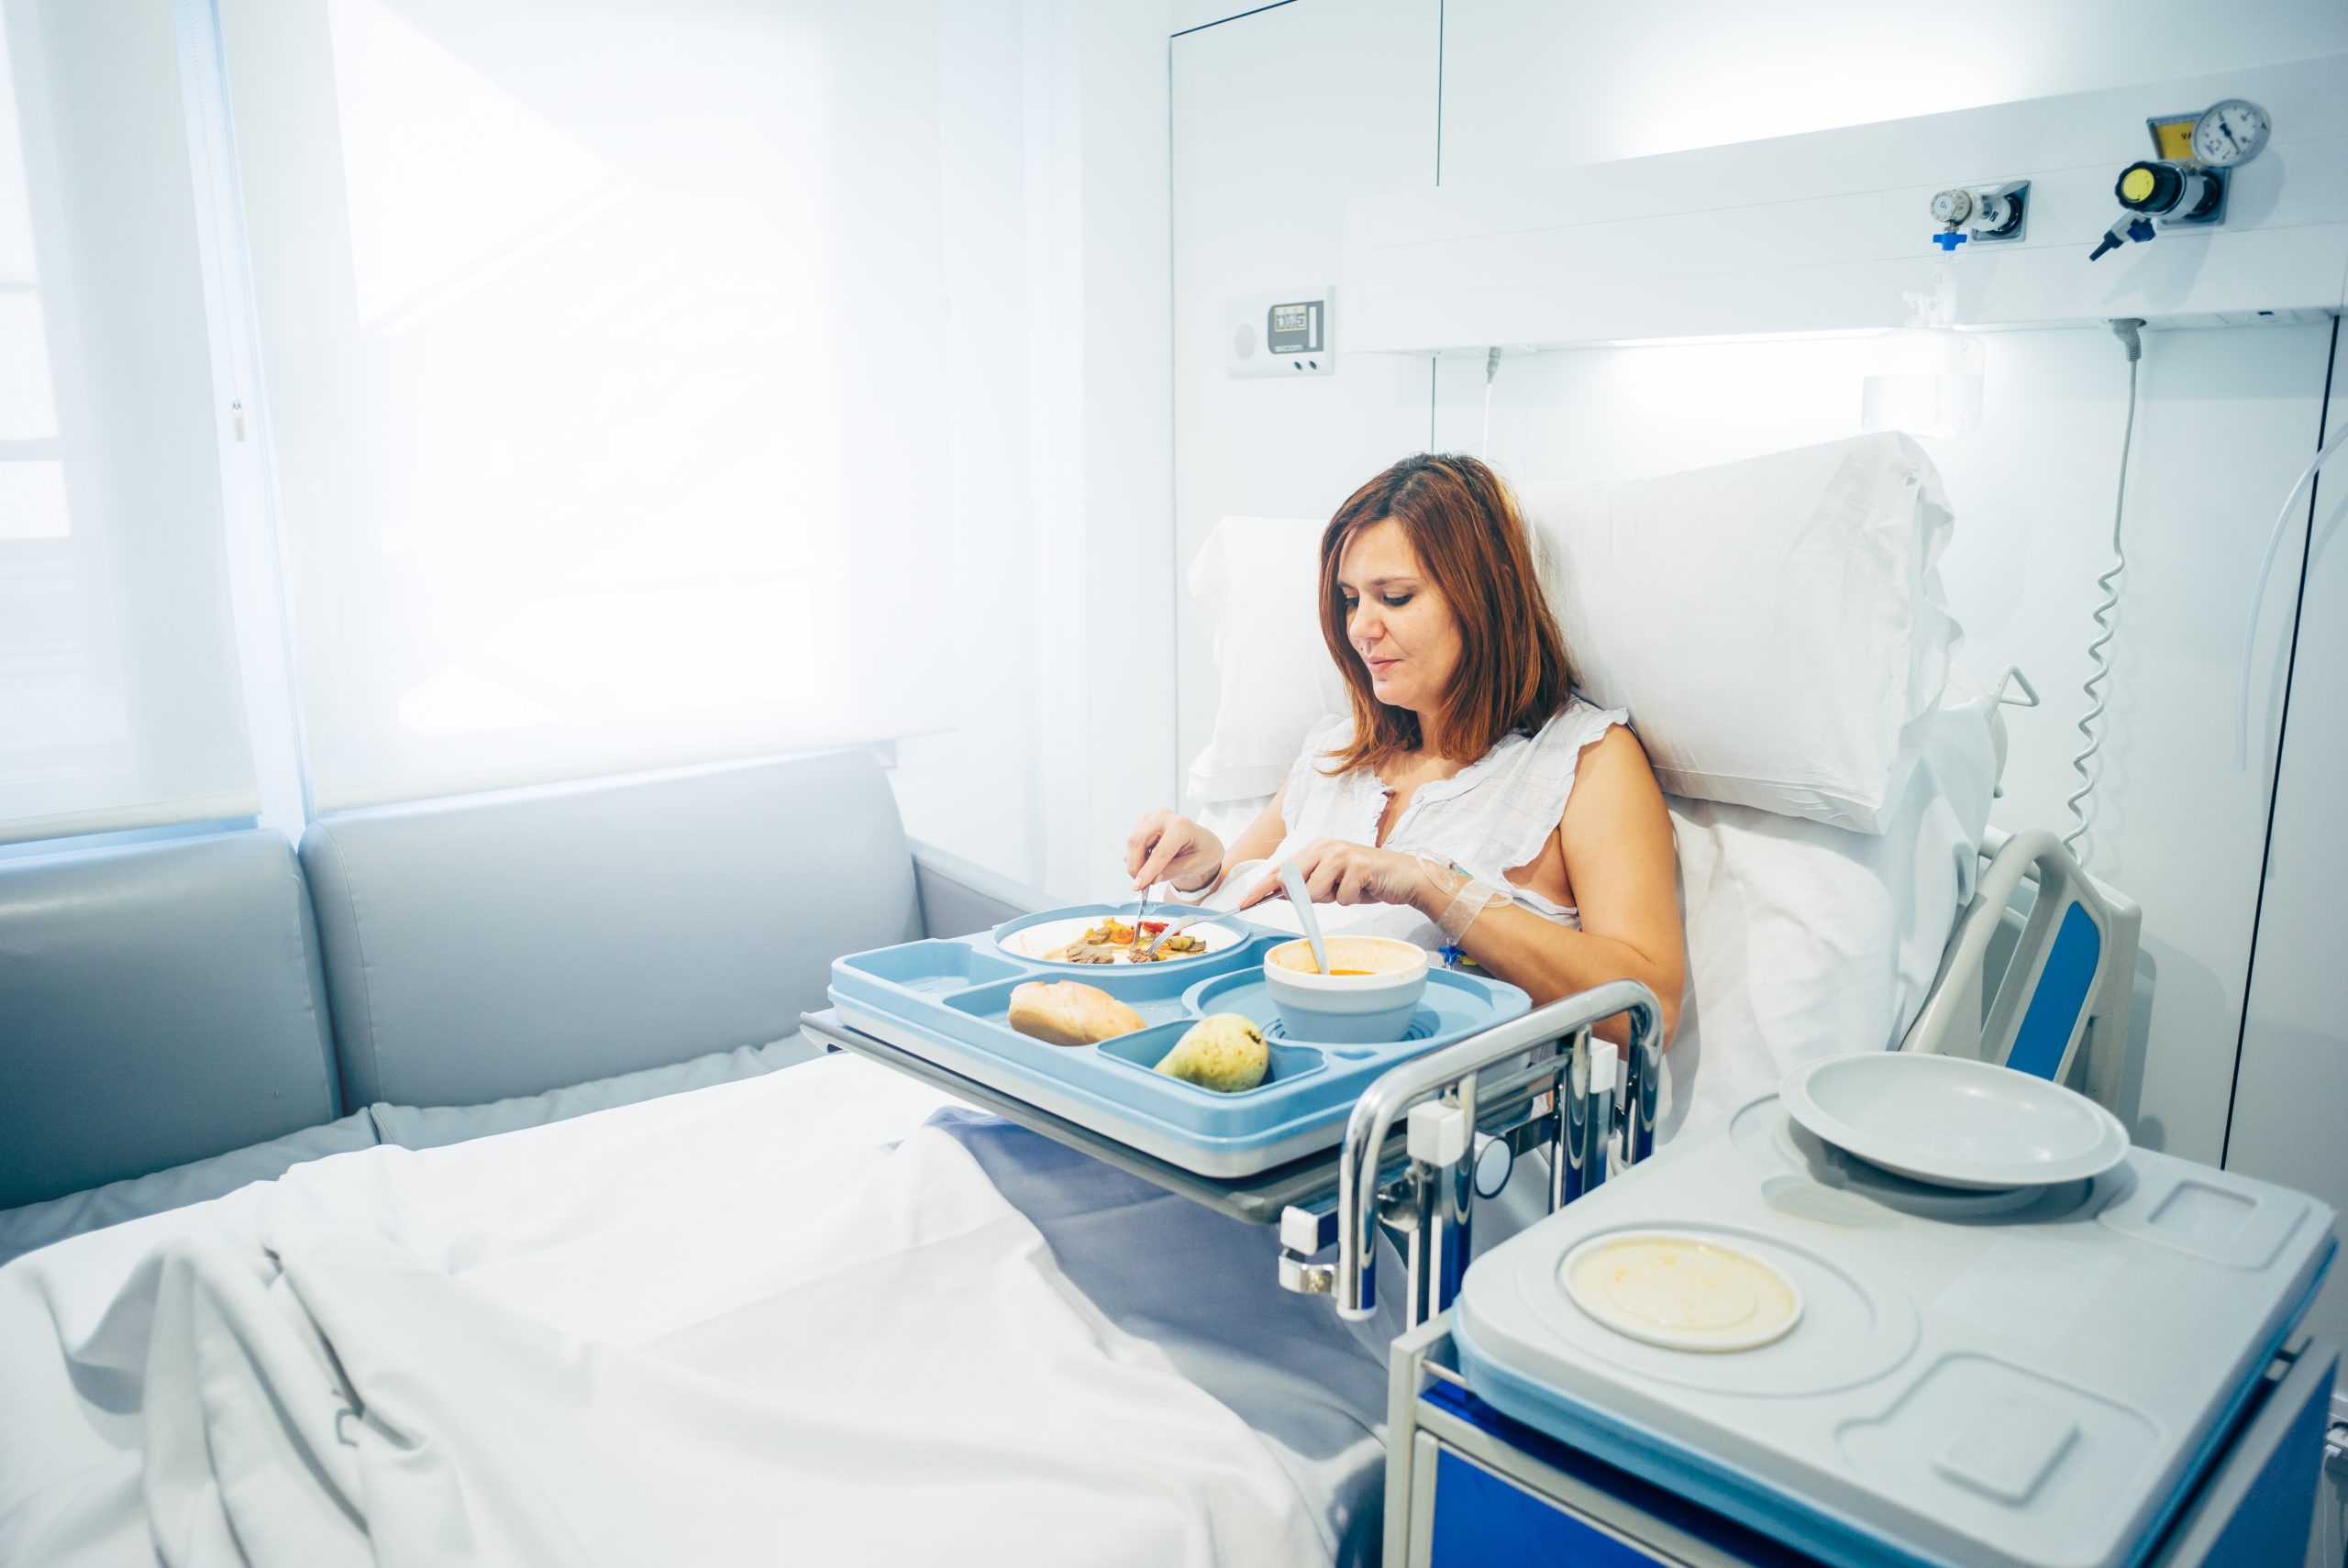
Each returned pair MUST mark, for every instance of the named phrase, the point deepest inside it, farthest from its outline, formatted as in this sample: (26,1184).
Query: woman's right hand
(1166,846)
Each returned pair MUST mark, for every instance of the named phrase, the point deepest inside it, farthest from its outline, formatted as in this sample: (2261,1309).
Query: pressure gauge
(1951,209)
(2229,132)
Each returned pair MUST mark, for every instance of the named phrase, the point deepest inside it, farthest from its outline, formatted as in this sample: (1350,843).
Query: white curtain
(120,700)
(600,348)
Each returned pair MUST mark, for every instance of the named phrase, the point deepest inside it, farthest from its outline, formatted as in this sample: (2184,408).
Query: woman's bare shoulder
(1615,745)
(1613,772)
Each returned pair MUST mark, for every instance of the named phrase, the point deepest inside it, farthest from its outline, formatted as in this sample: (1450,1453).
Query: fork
(1143,955)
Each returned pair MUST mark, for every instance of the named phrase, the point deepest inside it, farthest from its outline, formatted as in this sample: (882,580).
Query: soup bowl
(1366,999)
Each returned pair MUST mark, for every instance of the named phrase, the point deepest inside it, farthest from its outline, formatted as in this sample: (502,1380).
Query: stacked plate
(1953,1122)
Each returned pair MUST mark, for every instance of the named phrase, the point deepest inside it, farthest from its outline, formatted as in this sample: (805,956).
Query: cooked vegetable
(1111,942)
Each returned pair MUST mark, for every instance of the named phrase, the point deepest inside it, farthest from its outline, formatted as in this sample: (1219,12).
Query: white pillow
(1775,626)
(1259,580)
(1805,941)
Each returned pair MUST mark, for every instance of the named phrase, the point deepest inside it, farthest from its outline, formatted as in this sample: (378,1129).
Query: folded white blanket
(734,1326)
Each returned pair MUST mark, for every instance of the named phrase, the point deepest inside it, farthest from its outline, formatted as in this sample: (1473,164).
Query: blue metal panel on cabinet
(1482,1519)
(1480,1487)
(1455,1425)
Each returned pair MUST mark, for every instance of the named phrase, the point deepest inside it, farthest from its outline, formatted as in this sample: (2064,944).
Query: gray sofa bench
(179,1018)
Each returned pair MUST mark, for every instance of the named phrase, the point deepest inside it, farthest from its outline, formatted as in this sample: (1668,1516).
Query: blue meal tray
(946,1002)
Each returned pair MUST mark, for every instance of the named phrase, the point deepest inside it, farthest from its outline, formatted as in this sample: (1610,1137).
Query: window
(120,703)
(599,347)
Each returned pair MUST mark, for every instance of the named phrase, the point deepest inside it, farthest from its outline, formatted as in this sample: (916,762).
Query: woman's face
(1396,618)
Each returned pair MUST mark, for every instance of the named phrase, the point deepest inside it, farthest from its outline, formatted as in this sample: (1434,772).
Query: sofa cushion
(498,946)
(38,1224)
(159,1004)
(431,1126)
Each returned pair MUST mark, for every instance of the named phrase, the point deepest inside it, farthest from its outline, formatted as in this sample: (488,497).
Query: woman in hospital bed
(1470,802)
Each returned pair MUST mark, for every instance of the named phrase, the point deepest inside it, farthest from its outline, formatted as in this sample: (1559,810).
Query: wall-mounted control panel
(1285,333)
(1830,230)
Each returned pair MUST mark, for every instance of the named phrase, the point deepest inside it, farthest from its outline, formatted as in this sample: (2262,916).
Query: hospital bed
(1745,701)
(618,1238)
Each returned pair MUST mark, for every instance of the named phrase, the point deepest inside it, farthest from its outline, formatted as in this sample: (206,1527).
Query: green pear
(1225,1053)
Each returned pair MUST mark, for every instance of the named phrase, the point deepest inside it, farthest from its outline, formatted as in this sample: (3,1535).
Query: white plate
(1032,942)
(1954,1122)
(1705,1294)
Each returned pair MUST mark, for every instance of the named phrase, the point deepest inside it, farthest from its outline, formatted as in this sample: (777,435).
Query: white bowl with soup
(1367,999)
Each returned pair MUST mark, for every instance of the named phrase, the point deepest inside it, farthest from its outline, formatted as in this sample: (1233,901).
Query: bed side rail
(1426,1209)
(2068,986)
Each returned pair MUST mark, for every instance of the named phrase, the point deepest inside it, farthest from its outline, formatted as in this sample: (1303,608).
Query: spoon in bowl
(1292,884)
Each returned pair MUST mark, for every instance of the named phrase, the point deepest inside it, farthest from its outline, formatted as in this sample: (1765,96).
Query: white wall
(2224,421)
(2290,1115)
(972,788)
(1267,157)
(1055,145)
(2227,416)
(1530,84)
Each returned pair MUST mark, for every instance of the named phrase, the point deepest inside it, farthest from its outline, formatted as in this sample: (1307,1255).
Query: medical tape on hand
(1467,898)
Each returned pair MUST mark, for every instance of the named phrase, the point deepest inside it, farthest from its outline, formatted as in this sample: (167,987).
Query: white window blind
(599,343)
(120,700)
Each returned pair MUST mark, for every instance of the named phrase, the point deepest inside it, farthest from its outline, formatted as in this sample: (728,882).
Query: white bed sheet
(781,1319)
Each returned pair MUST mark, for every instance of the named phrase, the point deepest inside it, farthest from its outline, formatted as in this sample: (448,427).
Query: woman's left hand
(1338,872)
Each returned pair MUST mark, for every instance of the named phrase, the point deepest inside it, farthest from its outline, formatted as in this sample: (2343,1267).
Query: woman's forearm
(1259,839)
(1205,886)
(1547,961)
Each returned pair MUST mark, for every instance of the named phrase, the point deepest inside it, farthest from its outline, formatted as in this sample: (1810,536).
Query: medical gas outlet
(2185,185)
(1981,214)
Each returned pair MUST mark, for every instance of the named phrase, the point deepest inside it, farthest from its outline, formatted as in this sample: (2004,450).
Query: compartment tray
(945,1001)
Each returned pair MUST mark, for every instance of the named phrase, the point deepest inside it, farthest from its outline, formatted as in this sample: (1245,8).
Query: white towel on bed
(733,1326)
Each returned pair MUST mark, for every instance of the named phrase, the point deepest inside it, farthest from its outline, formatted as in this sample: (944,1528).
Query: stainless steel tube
(1570,1174)
(1641,1080)
(1387,1099)
(1452,1212)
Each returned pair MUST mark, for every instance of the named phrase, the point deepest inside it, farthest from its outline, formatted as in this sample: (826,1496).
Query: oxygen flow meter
(2184,184)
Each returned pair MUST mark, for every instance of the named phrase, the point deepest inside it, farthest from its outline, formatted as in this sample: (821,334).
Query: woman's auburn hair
(1471,542)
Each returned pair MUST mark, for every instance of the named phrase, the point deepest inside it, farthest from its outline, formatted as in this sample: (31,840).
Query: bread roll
(1070,1013)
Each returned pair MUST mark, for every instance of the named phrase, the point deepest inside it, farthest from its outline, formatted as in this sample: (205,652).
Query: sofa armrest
(959,896)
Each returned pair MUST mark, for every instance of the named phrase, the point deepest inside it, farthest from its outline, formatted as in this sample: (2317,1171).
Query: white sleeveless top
(1491,818)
